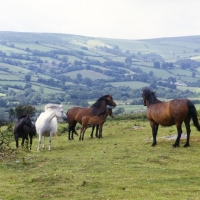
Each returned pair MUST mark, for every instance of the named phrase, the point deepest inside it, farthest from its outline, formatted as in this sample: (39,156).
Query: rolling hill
(54,63)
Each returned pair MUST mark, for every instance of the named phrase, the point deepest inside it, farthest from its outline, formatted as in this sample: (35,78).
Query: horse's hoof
(175,145)
(186,145)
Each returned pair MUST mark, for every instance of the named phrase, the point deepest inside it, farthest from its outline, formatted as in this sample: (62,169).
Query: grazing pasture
(84,73)
(131,84)
(122,165)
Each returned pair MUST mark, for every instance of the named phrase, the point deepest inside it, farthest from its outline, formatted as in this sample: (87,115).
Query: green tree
(87,81)
(2,114)
(21,109)
(156,65)
(11,114)
(79,77)
(27,77)
(64,59)
(193,74)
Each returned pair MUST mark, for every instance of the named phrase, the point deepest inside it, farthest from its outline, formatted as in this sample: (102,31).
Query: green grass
(193,89)
(33,47)
(15,69)
(87,74)
(122,165)
(9,50)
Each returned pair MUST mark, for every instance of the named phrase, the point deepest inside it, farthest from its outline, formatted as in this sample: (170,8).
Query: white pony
(46,124)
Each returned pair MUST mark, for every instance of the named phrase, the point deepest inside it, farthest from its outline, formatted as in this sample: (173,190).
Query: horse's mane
(51,105)
(97,104)
(23,116)
(150,96)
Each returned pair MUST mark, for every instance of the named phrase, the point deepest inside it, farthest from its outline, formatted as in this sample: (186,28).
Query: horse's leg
(188,130)
(179,130)
(154,128)
(74,131)
(81,134)
(16,140)
(22,144)
(26,138)
(50,141)
(39,142)
(43,145)
(71,128)
(83,128)
(97,130)
(69,131)
(17,144)
(100,131)
(93,127)
(31,140)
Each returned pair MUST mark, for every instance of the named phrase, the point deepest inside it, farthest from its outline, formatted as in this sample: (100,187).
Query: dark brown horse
(24,128)
(173,112)
(76,114)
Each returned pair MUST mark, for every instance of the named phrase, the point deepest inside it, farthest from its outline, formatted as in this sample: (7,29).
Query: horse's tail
(193,113)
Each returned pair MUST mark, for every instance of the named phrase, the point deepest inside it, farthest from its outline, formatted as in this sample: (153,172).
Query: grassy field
(85,73)
(131,84)
(122,165)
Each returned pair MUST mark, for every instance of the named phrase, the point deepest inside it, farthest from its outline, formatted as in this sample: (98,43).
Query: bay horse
(46,124)
(95,120)
(173,112)
(76,114)
(97,126)
(24,128)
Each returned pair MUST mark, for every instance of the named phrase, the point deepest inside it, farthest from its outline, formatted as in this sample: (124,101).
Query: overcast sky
(122,19)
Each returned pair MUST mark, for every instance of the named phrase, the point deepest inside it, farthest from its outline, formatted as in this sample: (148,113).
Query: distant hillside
(47,64)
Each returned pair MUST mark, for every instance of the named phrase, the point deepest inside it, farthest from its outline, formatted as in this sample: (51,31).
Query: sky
(120,19)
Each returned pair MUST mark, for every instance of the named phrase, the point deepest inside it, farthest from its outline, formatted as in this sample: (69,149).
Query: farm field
(131,84)
(85,73)
(121,165)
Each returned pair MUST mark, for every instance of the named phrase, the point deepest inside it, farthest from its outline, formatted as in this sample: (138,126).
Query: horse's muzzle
(65,118)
